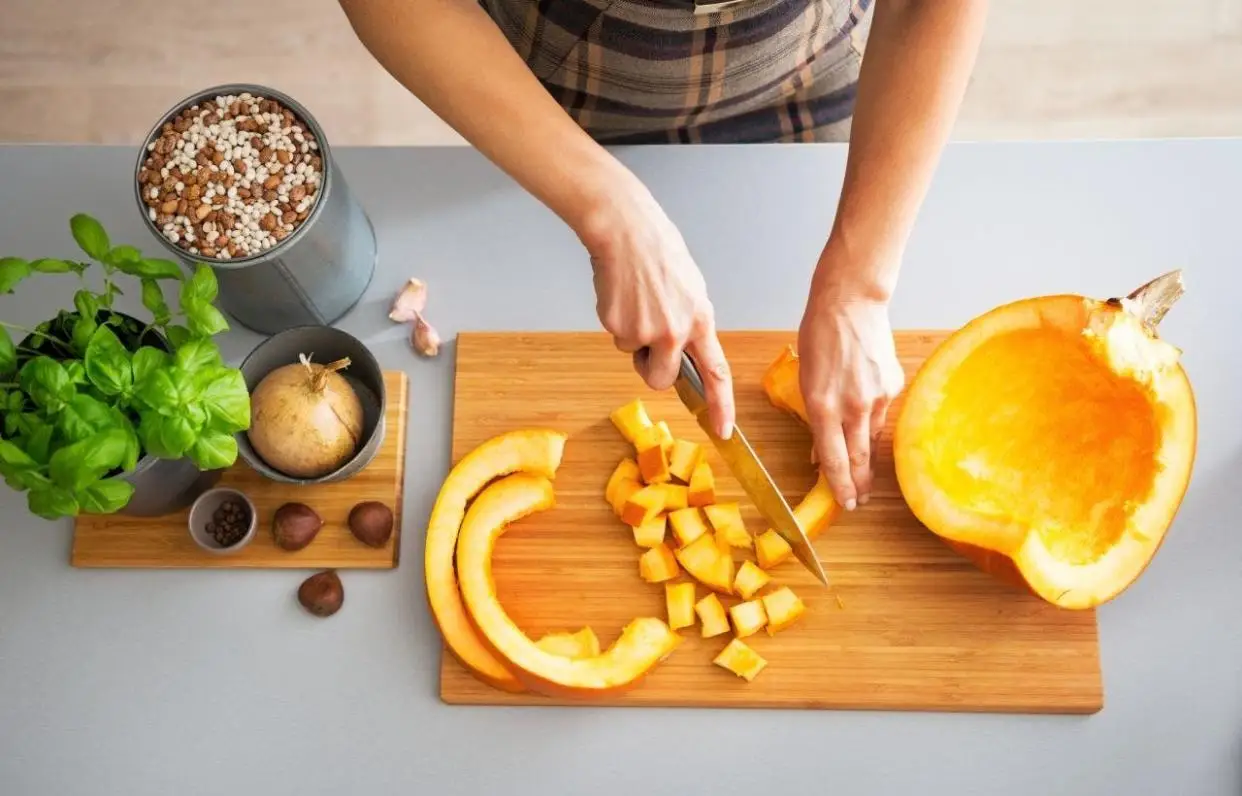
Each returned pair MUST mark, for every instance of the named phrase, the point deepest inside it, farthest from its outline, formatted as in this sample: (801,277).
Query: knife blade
(746,467)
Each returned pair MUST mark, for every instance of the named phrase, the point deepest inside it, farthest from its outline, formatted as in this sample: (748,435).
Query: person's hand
(651,297)
(849,374)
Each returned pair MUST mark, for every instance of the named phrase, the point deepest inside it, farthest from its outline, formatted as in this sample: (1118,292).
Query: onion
(305,418)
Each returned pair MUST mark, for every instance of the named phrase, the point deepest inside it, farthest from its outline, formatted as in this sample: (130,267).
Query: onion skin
(305,419)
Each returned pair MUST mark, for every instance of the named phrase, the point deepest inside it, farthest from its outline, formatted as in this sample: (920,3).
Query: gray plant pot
(164,486)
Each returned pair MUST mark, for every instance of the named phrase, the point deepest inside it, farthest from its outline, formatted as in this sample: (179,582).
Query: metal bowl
(323,344)
(201,514)
(316,274)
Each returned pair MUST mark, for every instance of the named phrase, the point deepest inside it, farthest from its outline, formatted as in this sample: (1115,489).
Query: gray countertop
(188,682)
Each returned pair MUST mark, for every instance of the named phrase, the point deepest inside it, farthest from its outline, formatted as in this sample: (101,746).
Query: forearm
(451,56)
(918,61)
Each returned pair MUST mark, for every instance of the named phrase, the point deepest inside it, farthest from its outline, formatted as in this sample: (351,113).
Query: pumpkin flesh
(643,643)
(1050,440)
(534,451)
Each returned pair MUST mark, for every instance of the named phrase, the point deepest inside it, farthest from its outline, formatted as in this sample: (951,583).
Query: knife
(748,470)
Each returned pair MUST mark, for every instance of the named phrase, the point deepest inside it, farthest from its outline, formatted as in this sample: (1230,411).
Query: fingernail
(726,431)
(850,505)
(863,499)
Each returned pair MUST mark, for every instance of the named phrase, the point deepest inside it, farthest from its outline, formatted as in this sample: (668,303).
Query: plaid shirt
(654,71)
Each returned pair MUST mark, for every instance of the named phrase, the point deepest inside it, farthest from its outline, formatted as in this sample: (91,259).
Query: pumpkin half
(643,643)
(1051,440)
(536,451)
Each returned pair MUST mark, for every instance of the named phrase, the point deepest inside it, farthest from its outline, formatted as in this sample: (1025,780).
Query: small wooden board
(164,542)
(917,626)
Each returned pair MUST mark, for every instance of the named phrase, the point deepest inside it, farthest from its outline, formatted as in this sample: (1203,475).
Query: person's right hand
(651,297)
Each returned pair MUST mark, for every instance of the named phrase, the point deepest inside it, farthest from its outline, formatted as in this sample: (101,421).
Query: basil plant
(86,395)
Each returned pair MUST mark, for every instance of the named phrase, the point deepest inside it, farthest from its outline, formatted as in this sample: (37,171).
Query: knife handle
(689,372)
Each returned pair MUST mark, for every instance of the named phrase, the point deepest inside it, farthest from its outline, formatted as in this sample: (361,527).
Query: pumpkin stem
(1153,300)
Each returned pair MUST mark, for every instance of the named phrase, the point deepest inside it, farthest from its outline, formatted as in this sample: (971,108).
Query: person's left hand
(849,374)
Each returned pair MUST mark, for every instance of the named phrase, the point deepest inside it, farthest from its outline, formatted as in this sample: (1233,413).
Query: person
(542,87)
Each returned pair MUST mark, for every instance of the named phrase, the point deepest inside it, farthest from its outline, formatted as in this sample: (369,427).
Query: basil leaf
(227,401)
(14,457)
(200,288)
(76,371)
(39,441)
(90,235)
(77,465)
(106,496)
(197,354)
(8,353)
(55,266)
(107,363)
(86,303)
(204,320)
(153,300)
(24,479)
(46,382)
(16,401)
(214,451)
(187,388)
(83,330)
(133,449)
(146,360)
(52,502)
(83,416)
(27,422)
(12,271)
(166,436)
(177,335)
(123,258)
(154,268)
(157,392)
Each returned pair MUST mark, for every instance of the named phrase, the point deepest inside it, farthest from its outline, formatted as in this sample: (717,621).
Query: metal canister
(313,276)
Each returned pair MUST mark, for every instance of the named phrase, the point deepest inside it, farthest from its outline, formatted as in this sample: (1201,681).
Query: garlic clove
(425,338)
(409,302)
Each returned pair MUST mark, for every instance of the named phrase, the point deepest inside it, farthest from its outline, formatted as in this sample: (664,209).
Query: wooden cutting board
(916,626)
(164,542)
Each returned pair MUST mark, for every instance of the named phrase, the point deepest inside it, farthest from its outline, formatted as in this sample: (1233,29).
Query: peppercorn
(229,522)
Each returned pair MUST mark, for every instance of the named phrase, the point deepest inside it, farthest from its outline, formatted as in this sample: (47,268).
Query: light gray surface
(143,682)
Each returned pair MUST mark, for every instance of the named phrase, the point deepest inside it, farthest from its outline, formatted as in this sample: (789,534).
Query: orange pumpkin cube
(783,608)
(748,618)
(771,549)
(688,525)
(679,600)
(750,579)
(650,533)
(643,505)
(622,493)
(712,618)
(676,496)
(666,437)
(726,519)
(630,419)
(684,457)
(652,460)
(708,564)
(740,659)
(626,470)
(658,565)
(702,485)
